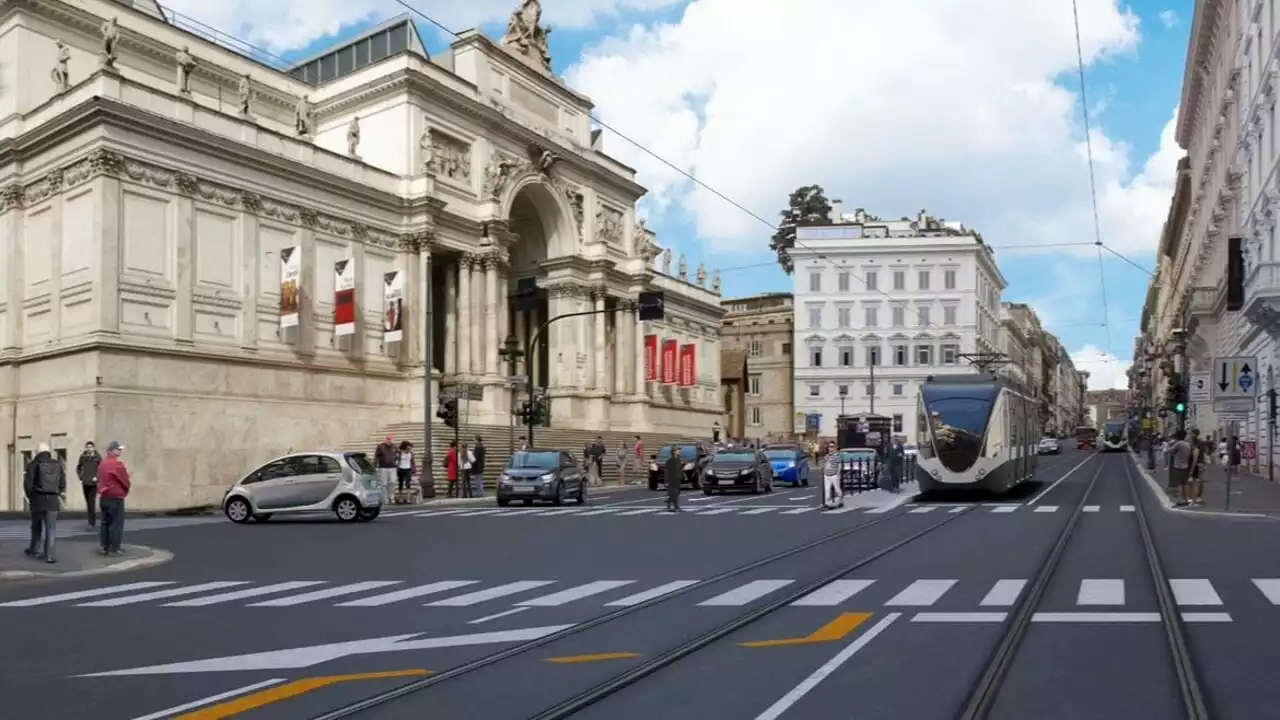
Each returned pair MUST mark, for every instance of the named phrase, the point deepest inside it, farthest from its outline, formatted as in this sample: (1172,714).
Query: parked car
(344,483)
(1048,446)
(547,475)
(693,457)
(738,469)
(791,464)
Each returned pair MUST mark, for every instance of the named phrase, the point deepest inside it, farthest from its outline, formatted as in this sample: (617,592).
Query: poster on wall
(290,274)
(670,348)
(393,307)
(688,366)
(344,297)
(650,358)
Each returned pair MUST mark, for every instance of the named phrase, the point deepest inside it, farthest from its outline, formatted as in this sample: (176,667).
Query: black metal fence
(863,474)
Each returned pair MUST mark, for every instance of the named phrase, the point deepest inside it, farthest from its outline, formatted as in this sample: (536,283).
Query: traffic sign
(1200,387)
(1234,384)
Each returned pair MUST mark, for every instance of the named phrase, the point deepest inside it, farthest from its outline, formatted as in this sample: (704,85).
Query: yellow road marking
(599,657)
(280,693)
(832,631)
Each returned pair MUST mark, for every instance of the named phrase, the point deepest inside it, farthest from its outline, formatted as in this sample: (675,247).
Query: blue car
(790,463)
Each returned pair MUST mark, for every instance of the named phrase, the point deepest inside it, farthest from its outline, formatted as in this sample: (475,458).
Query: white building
(900,300)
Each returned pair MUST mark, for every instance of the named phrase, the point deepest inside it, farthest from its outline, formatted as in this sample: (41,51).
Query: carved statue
(61,74)
(497,174)
(640,231)
(684,268)
(545,160)
(427,144)
(715,282)
(245,92)
(353,136)
(110,39)
(526,35)
(186,64)
(302,114)
(666,261)
(701,276)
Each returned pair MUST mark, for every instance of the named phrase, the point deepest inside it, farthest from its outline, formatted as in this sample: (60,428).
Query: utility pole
(428,480)
(875,357)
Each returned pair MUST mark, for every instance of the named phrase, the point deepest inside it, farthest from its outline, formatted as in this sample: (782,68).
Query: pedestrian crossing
(1094,597)
(791,510)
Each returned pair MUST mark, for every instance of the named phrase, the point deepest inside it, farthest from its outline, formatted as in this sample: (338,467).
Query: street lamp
(844,393)
(511,352)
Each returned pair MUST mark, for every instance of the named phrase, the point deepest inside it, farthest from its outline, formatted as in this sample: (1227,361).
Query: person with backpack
(45,485)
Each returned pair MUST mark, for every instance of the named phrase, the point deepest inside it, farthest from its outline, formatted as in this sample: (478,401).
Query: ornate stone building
(761,326)
(215,260)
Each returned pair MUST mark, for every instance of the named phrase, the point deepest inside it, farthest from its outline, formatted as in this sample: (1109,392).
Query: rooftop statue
(526,36)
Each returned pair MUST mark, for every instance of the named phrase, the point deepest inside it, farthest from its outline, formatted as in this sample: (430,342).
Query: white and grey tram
(1115,436)
(978,432)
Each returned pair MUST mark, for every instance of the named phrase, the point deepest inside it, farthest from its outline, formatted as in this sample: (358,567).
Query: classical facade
(761,327)
(213,260)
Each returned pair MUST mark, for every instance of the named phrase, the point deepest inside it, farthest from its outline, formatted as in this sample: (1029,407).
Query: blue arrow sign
(1245,381)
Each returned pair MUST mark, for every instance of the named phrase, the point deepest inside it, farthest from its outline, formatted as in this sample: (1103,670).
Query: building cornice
(1204,24)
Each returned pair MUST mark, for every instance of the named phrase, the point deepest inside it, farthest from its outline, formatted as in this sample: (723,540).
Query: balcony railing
(1204,300)
(1262,296)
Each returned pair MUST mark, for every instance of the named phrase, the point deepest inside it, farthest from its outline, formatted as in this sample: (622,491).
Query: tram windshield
(958,417)
(1115,430)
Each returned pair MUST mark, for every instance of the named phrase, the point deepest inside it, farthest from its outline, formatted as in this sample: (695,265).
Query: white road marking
(1095,617)
(1054,484)
(833,593)
(1091,508)
(922,593)
(576,593)
(82,594)
(162,594)
(717,511)
(744,594)
(1126,508)
(892,504)
(786,702)
(557,511)
(493,593)
(234,595)
(1270,588)
(1213,617)
(641,511)
(798,499)
(439,513)
(922,510)
(601,511)
(396,596)
(495,616)
(173,711)
(651,593)
(1194,592)
(326,593)
(1004,593)
(798,511)
(475,513)
(758,511)
(960,617)
(1004,509)
(1100,592)
(841,511)
(960,509)
(1047,508)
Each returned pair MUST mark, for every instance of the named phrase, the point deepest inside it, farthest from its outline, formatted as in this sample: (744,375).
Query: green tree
(808,205)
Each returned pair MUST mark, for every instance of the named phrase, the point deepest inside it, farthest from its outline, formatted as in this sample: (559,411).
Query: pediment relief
(899,336)
(871,337)
(815,339)
(843,337)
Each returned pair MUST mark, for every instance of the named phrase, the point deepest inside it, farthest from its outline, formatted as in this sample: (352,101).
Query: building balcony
(1262,297)
(1204,301)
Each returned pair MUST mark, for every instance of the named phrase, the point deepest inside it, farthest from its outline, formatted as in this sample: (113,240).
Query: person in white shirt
(468,459)
(404,466)
(832,490)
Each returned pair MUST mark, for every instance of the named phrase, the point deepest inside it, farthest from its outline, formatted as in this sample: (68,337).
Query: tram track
(601,691)
(984,694)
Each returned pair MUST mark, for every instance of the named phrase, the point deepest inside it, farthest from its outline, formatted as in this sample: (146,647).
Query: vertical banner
(650,358)
(290,274)
(393,307)
(688,368)
(344,298)
(669,370)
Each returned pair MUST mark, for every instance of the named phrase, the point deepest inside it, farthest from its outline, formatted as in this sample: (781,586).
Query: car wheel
(582,493)
(238,510)
(347,509)
(559,494)
(805,481)
(369,515)
(503,502)
(757,487)
(262,517)
(707,491)
(769,488)
(653,485)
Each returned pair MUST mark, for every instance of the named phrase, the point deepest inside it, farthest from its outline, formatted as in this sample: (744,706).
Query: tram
(1115,436)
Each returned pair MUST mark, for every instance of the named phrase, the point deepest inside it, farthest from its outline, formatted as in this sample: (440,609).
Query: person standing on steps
(477,466)
(468,461)
(673,471)
(45,485)
(113,488)
(385,456)
(87,471)
(451,469)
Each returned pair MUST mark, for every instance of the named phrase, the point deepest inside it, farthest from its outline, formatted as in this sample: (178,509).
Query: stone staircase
(498,441)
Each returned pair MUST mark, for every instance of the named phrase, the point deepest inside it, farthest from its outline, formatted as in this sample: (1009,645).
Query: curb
(153,558)
(1167,504)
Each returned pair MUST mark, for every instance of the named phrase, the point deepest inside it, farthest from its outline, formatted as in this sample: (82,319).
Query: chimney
(837,211)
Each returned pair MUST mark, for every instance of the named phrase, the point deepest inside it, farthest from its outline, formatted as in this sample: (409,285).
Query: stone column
(184,252)
(620,336)
(491,338)
(251,252)
(11,248)
(451,319)
(636,371)
(504,302)
(601,376)
(464,315)
(629,331)
(423,242)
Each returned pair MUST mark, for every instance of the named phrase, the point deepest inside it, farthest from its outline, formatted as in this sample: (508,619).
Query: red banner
(688,369)
(670,350)
(650,358)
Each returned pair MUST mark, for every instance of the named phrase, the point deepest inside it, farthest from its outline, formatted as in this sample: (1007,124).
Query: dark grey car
(738,469)
(546,475)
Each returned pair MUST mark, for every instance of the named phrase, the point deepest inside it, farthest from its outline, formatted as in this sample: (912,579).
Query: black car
(693,458)
(547,475)
(738,469)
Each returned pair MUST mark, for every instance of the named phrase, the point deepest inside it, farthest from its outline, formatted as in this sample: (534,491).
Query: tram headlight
(936,474)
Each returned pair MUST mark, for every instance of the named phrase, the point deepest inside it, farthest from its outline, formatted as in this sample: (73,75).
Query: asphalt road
(293,619)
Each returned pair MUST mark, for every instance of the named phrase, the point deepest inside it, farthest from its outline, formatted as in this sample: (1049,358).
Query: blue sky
(1131,96)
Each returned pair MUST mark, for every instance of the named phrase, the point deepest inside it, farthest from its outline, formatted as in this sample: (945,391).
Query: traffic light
(525,413)
(448,412)
(1180,400)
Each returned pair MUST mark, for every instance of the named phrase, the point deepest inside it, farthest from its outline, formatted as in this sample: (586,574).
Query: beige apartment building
(761,326)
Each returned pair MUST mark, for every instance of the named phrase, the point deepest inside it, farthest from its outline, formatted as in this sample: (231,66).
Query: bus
(1115,436)
(1086,438)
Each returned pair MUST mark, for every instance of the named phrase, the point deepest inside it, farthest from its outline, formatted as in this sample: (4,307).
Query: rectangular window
(923,314)
(846,357)
(872,316)
(949,280)
(815,317)
(899,317)
(815,390)
(815,357)
(755,416)
(873,355)
(871,390)
(871,280)
(842,390)
(900,355)
(897,423)
(786,349)
(950,354)
(924,355)
(899,280)
(924,279)
(756,349)
(815,282)
(842,317)
(842,280)
(753,385)
(949,315)
(898,390)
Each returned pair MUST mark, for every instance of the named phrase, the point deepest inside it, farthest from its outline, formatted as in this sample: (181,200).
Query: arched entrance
(538,221)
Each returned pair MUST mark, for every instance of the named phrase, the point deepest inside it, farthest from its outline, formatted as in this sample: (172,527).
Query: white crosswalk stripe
(949,600)
(630,511)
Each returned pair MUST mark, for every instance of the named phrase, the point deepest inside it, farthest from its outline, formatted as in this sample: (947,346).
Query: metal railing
(230,42)
(863,475)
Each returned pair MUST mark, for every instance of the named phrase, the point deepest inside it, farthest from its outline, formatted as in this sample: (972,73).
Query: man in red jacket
(113,488)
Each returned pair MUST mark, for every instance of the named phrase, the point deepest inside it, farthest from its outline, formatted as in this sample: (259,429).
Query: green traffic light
(1180,408)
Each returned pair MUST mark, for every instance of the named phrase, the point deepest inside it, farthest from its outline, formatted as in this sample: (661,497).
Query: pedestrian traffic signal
(1180,400)
(448,412)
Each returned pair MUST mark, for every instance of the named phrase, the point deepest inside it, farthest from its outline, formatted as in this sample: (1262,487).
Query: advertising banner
(290,276)
(670,349)
(688,367)
(344,298)
(393,307)
(650,358)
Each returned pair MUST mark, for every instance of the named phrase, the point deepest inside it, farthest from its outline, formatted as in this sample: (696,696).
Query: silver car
(344,483)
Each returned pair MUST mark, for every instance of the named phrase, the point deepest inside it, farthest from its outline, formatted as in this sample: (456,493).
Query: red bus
(1086,438)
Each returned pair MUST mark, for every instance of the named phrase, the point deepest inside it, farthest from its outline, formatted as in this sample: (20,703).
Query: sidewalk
(76,558)
(1249,493)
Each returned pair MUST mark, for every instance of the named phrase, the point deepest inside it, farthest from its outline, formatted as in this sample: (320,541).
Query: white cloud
(1169,18)
(1106,371)
(889,105)
(283,25)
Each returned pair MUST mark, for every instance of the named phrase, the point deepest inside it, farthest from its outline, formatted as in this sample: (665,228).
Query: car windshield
(1115,429)
(958,416)
(735,456)
(688,453)
(534,461)
(360,463)
(781,454)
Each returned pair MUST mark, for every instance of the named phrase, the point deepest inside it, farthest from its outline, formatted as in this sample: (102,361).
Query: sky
(970,110)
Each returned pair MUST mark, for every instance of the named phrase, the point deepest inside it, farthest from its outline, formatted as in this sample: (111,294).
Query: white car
(1048,446)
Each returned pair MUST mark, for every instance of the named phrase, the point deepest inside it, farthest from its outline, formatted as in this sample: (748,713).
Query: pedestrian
(894,463)
(1179,467)
(113,488)
(1195,483)
(451,468)
(384,458)
(637,452)
(477,466)
(620,457)
(45,485)
(468,460)
(673,471)
(404,467)
(87,471)
(832,491)
(524,444)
